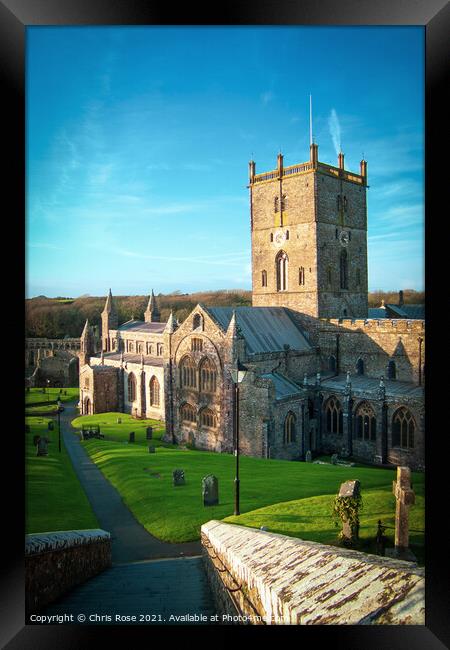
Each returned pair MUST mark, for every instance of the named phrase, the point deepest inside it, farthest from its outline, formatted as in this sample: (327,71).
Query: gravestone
(50,425)
(405,497)
(178,477)
(119,420)
(42,446)
(151,449)
(334,459)
(308,456)
(349,490)
(131,437)
(149,433)
(210,490)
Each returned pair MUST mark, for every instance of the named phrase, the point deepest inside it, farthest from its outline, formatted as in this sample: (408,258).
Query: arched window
(208,376)
(197,321)
(366,423)
(287,234)
(289,429)
(159,349)
(391,370)
(188,373)
(276,204)
(149,348)
(131,387)
(139,348)
(130,346)
(208,419)
(301,275)
(344,269)
(264,278)
(332,363)
(403,429)
(284,202)
(154,391)
(187,413)
(360,367)
(281,262)
(333,416)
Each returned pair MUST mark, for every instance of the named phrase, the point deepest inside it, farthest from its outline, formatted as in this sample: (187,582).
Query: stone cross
(178,477)
(347,490)
(210,490)
(405,497)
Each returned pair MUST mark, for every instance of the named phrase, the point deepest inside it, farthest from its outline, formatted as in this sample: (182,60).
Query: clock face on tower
(279,237)
(343,238)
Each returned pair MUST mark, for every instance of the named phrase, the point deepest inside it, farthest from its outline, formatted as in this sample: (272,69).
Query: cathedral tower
(309,238)
(109,321)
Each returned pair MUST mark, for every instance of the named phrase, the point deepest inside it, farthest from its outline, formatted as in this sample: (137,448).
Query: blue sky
(138,142)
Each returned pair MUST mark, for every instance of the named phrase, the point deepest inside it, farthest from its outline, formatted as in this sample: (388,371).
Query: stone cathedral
(322,377)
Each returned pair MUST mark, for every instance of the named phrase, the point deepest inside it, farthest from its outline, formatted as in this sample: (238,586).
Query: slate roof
(408,311)
(130,358)
(283,387)
(141,326)
(377,312)
(394,388)
(265,329)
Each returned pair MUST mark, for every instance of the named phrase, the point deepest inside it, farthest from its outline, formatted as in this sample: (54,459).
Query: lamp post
(59,425)
(237,374)
(48,391)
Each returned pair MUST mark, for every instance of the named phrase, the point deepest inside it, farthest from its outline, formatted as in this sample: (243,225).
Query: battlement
(306,168)
(388,325)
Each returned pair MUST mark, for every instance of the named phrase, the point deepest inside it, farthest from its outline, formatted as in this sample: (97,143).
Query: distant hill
(59,317)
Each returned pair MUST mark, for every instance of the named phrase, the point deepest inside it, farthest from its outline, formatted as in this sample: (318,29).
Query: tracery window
(131,387)
(154,391)
(333,416)
(208,418)
(281,262)
(188,373)
(264,278)
(366,423)
(289,429)
(187,413)
(403,429)
(208,376)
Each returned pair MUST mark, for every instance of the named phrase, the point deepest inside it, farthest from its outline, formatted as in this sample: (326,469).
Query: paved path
(130,541)
(140,581)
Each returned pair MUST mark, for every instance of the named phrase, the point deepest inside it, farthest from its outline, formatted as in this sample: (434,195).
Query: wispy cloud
(266,97)
(335,130)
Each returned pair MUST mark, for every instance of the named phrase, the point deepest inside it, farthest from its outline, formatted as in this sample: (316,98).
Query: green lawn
(288,497)
(51,394)
(54,498)
(120,432)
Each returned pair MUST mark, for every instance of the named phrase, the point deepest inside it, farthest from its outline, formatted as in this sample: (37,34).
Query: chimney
(280,164)
(400,298)
(363,170)
(251,170)
(314,153)
(341,160)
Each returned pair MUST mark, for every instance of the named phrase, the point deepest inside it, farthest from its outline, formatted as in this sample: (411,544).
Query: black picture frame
(15,16)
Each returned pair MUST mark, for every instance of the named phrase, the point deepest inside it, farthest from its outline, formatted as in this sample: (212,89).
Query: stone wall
(274,579)
(56,562)
(376,342)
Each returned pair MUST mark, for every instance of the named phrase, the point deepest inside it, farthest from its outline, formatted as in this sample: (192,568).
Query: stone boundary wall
(274,579)
(57,561)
